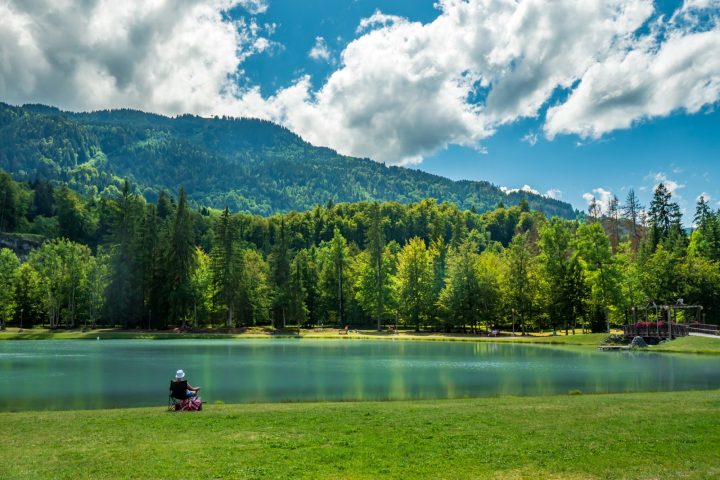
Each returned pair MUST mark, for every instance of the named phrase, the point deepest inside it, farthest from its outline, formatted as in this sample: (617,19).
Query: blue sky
(569,99)
(681,147)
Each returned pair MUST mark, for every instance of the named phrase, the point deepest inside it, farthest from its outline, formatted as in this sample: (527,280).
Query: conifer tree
(148,259)
(280,273)
(124,295)
(297,307)
(661,215)
(181,261)
(375,244)
(631,211)
(225,266)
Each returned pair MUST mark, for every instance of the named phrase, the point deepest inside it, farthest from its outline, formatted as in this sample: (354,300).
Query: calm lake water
(80,374)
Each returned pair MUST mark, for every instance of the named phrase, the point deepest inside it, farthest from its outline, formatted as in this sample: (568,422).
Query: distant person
(190,390)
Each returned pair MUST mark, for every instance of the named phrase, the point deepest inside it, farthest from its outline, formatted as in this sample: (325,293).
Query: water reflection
(118,373)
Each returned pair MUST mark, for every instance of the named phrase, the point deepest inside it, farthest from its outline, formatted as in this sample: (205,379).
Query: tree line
(122,261)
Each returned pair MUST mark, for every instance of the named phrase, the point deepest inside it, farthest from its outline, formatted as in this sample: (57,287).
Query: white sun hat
(179,374)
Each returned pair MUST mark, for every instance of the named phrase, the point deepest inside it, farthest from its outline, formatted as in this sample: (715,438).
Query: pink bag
(192,404)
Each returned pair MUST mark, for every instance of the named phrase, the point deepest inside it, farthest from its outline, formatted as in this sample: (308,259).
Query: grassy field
(690,345)
(575,437)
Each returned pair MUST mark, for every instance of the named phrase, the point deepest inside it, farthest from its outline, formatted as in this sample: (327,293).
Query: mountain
(250,165)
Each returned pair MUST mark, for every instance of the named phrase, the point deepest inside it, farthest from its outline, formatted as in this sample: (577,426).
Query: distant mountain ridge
(250,165)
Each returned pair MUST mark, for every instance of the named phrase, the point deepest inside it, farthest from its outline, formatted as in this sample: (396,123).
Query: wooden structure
(662,322)
(704,328)
(656,331)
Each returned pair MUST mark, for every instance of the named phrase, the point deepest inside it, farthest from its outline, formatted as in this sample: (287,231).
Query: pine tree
(280,273)
(660,215)
(706,238)
(124,296)
(181,261)
(297,306)
(631,211)
(148,263)
(335,276)
(614,223)
(375,245)
(224,265)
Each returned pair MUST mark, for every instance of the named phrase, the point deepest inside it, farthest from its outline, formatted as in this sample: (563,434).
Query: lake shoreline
(691,345)
(588,339)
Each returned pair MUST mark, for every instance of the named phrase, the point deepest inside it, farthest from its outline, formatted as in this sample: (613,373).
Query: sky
(572,100)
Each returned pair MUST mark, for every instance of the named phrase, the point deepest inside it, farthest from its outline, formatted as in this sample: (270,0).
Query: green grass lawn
(652,435)
(690,345)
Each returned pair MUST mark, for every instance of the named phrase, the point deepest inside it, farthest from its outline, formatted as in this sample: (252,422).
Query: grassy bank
(705,345)
(598,436)
(105,334)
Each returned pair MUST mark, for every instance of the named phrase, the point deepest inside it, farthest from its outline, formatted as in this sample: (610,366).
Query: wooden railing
(652,330)
(704,328)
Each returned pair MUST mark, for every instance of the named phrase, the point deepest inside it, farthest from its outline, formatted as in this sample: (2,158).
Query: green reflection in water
(122,373)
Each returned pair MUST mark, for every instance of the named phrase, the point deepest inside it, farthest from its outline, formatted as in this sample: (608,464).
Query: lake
(85,374)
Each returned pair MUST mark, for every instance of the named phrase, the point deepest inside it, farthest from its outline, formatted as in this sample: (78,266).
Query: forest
(123,261)
(248,165)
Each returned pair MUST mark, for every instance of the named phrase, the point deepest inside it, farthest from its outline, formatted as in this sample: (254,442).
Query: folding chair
(178,393)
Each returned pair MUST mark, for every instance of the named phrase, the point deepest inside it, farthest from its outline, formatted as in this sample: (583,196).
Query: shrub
(615,339)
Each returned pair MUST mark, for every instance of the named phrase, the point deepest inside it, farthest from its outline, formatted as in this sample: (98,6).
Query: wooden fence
(653,330)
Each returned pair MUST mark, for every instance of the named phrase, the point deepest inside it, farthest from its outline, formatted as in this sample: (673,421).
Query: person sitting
(190,390)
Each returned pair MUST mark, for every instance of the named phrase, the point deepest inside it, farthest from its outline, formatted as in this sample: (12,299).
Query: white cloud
(378,19)
(164,56)
(320,50)
(255,7)
(402,90)
(601,196)
(524,188)
(676,68)
(530,138)
(671,185)
(554,193)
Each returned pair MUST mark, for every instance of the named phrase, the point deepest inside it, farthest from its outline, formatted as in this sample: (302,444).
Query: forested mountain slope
(250,165)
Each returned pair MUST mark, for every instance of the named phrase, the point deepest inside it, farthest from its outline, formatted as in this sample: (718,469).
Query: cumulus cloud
(554,193)
(378,19)
(601,196)
(672,185)
(165,56)
(524,188)
(402,89)
(255,7)
(320,50)
(652,80)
